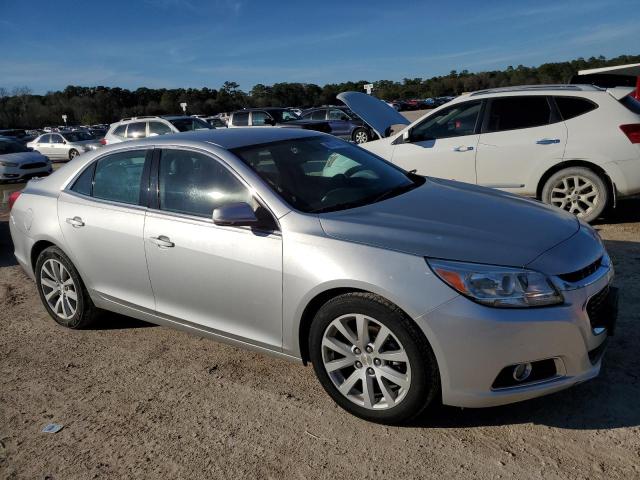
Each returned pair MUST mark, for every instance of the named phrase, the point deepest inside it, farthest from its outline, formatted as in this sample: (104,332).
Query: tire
(73,153)
(418,377)
(361,135)
(49,280)
(578,190)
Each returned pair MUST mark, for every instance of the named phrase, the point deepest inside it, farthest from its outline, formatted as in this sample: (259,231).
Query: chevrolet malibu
(402,291)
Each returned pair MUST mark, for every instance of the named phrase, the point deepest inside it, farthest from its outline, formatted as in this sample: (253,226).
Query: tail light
(632,131)
(103,141)
(13,197)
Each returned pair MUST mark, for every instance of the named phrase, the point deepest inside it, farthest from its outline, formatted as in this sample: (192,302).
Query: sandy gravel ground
(139,401)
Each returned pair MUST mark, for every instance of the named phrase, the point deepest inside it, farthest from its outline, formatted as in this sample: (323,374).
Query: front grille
(598,309)
(30,166)
(583,273)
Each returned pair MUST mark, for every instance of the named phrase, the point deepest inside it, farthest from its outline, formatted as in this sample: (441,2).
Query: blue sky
(47,45)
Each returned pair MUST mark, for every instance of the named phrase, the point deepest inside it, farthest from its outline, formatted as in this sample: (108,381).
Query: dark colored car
(17,134)
(343,122)
(274,117)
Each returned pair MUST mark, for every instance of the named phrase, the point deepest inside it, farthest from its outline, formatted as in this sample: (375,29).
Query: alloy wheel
(361,137)
(59,289)
(575,194)
(366,362)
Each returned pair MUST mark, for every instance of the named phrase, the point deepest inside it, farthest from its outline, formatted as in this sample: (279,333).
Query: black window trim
(153,201)
(554,118)
(144,180)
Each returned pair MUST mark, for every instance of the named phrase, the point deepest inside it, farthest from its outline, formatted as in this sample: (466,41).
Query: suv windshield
(190,123)
(78,136)
(9,146)
(323,174)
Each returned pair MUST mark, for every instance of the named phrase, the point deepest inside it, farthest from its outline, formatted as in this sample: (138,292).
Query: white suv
(573,146)
(149,126)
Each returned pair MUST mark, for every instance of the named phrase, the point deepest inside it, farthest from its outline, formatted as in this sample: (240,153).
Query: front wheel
(73,153)
(373,360)
(577,190)
(360,135)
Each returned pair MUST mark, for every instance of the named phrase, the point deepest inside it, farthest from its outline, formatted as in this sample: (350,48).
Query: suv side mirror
(235,214)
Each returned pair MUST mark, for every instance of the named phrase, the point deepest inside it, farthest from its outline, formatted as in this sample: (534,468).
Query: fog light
(522,371)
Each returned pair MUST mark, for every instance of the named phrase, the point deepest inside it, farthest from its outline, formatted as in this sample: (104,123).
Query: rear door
(58,147)
(444,144)
(44,145)
(520,134)
(102,219)
(340,123)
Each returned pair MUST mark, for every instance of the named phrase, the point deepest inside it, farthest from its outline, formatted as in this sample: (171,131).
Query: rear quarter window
(571,107)
(119,131)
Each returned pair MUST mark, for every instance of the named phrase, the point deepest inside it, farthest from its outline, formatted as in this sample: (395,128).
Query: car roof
(230,138)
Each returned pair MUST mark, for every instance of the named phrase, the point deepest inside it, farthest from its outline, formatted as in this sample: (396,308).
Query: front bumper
(474,343)
(14,174)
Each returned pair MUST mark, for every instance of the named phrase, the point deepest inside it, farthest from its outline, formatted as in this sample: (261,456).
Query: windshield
(283,116)
(188,124)
(323,174)
(9,146)
(78,136)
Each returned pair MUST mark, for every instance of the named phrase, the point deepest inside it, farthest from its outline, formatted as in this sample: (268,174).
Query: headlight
(8,164)
(497,286)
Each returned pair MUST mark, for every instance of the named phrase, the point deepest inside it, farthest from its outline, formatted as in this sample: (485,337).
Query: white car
(135,128)
(19,163)
(573,146)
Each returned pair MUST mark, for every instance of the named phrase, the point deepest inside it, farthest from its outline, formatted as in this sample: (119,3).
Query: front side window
(137,130)
(118,177)
(56,138)
(158,128)
(318,115)
(319,174)
(196,184)
(455,121)
(241,119)
(512,113)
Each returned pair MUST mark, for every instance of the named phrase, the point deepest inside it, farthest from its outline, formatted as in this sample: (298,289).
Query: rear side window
(318,115)
(571,107)
(118,177)
(44,139)
(631,103)
(241,119)
(196,184)
(119,131)
(55,138)
(84,182)
(512,113)
(137,130)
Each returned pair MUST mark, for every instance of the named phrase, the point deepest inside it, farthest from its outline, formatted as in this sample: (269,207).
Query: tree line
(20,108)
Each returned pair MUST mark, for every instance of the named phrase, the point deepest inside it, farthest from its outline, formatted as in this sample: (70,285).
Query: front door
(227,279)
(444,144)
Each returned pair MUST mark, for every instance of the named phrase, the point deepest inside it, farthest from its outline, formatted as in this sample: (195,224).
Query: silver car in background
(401,290)
(64,145)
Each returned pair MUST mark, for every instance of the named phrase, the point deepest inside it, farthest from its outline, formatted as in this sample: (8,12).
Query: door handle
(548,141)
(162,241)
(462,149)
(75,222)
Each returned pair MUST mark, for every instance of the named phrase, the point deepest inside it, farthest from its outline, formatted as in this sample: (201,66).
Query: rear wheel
(577,190)
(61,290)
(373,360)
(360,135)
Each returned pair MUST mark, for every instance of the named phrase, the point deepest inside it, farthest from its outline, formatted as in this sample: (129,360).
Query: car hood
(456,221)
(378,115)
(23,157)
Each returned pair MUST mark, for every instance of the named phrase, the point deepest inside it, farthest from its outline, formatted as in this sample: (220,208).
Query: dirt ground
(140,401)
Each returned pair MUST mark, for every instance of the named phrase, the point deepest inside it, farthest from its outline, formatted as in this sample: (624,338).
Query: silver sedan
(64,145)
(401,290)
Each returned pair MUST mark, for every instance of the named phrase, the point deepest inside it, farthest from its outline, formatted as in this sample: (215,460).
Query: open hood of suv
(380,116)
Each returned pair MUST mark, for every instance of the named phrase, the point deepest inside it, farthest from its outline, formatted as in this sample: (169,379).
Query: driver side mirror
(235,214)
(269,121)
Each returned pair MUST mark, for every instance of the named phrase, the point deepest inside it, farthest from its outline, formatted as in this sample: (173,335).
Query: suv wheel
(360,135)
(577,190)
(373,360)
(61,290)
